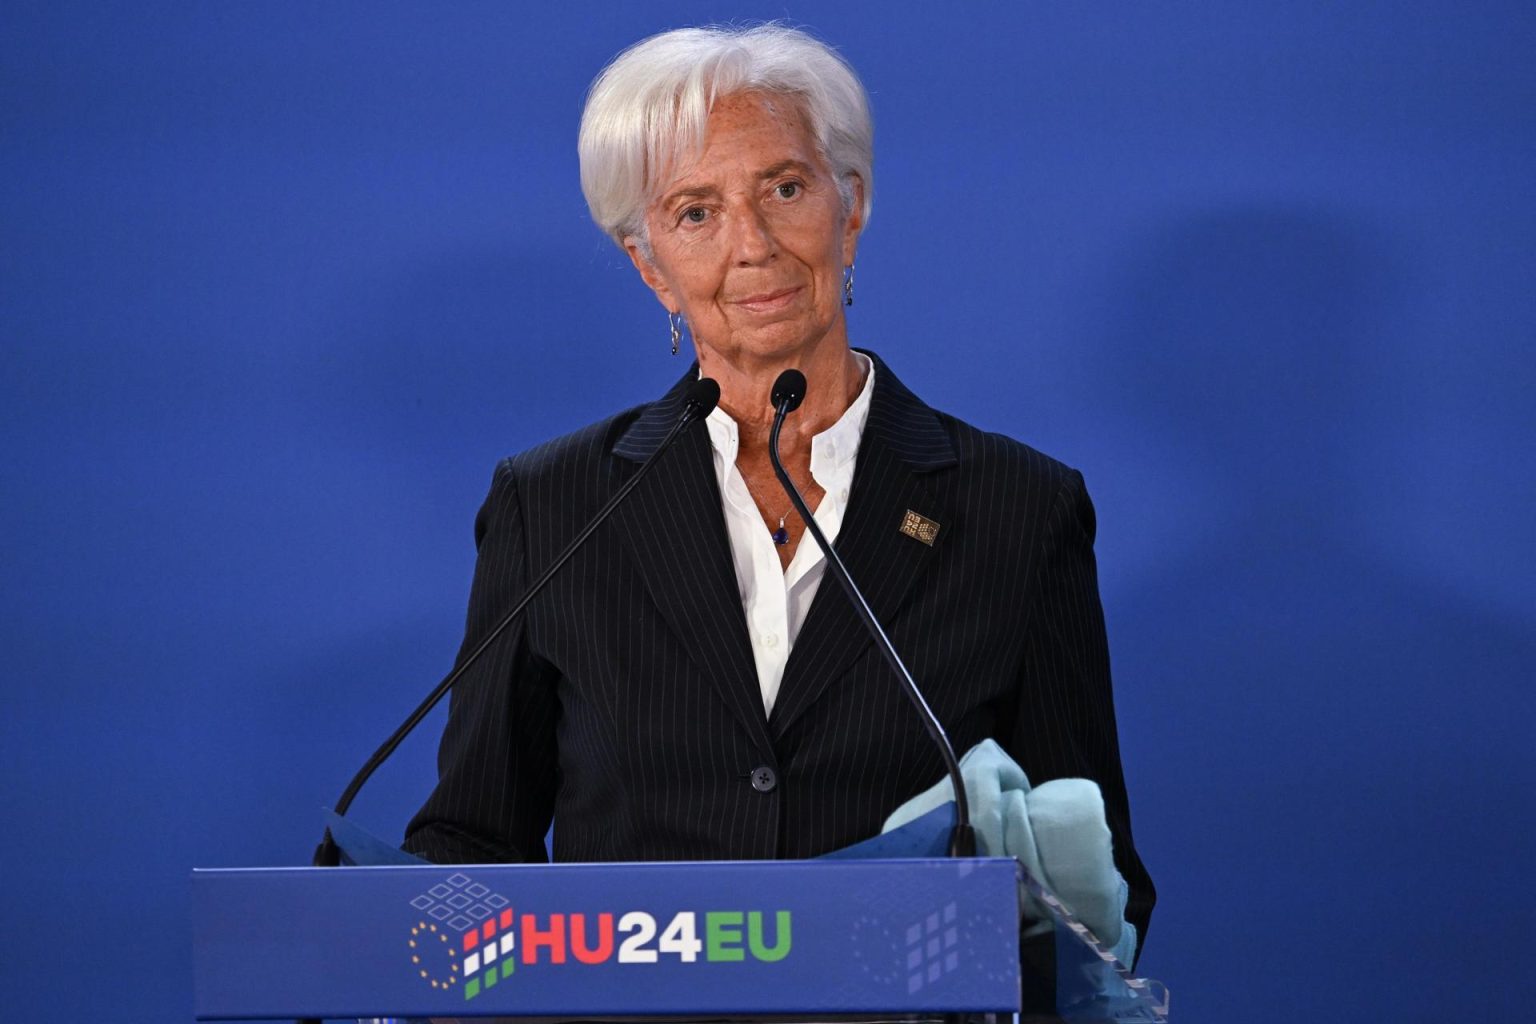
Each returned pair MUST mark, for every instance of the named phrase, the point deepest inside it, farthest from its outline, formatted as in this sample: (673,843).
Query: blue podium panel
(752,937)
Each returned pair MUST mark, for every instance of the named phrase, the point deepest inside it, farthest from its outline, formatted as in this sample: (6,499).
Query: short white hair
(646,112)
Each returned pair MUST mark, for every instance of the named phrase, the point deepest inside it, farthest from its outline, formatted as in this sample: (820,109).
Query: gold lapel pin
(919,527)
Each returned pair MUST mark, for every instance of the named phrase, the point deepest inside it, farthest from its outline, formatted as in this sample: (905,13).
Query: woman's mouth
(767,302)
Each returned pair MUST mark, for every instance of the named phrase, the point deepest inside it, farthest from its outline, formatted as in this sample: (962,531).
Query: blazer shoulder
(1004,458)
(1013,491)
(573,455)
(564,476)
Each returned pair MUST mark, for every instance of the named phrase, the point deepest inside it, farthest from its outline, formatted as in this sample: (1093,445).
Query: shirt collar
(832,451)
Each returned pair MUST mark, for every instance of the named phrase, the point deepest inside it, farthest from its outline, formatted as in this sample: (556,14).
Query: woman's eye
(695,215)
(788,189)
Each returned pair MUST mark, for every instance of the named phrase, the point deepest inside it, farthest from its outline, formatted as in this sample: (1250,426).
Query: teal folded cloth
(1056,830)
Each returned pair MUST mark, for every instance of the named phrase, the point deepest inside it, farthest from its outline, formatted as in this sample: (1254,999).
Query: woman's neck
(834,377)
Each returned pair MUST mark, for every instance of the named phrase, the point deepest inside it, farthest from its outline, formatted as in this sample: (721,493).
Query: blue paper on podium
(361,848)
(927,836)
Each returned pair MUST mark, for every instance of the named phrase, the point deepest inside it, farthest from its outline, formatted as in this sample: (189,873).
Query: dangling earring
(675,321)
(848,285)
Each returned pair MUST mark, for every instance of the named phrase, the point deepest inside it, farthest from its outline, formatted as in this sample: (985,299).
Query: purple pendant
(781,536)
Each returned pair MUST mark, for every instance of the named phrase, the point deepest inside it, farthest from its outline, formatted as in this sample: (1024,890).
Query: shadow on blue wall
(1318,809)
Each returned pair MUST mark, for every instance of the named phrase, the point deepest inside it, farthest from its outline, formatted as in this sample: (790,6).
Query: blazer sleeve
(1065,723)
(497,765)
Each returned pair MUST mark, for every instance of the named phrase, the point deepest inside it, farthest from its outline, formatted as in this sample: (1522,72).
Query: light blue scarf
(1056,830)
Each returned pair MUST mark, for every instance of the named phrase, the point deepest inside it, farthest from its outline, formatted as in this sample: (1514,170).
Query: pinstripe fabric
(626,703)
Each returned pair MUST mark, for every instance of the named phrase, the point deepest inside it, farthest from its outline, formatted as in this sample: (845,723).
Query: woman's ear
(855,222)
(648,273)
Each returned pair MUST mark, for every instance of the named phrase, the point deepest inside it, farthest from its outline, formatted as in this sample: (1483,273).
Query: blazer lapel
(903,447)
(675,530)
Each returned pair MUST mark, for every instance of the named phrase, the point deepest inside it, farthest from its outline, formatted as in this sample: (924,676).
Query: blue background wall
(282,281)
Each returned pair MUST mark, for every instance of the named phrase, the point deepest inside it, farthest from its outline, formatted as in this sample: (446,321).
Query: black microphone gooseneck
(703,396)
(788,393)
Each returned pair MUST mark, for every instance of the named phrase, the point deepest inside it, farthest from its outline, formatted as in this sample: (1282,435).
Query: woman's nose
(754,239)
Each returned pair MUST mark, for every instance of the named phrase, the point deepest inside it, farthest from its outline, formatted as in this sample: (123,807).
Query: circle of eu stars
(422,946)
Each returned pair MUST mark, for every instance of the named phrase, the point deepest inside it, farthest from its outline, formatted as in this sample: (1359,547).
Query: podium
(805,939)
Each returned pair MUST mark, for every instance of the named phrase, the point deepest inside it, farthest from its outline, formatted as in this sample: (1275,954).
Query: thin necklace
(781,535)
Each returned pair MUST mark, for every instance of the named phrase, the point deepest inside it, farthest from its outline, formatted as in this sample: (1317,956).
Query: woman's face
(749,243)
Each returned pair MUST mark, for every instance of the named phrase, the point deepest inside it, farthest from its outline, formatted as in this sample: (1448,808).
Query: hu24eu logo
(472,938)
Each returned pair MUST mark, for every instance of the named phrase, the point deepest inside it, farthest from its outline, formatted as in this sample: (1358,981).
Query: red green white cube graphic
(488,954)
(464,936)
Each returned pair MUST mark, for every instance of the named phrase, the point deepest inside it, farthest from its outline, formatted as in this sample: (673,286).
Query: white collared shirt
(775,599)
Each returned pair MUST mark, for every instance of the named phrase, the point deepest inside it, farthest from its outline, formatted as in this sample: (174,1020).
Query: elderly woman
(687,687)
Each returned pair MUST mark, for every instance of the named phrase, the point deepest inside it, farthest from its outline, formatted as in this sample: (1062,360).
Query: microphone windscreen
(703,396)
(789,390)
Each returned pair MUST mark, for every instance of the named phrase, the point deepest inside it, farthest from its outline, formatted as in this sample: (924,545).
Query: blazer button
(763,779)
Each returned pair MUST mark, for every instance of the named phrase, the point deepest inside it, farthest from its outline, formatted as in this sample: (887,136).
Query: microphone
(788,393)
(703,396)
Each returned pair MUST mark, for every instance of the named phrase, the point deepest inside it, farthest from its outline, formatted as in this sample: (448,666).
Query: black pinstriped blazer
(626,703)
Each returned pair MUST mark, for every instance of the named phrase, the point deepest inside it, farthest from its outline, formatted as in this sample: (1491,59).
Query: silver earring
(675,321)
(848,285)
